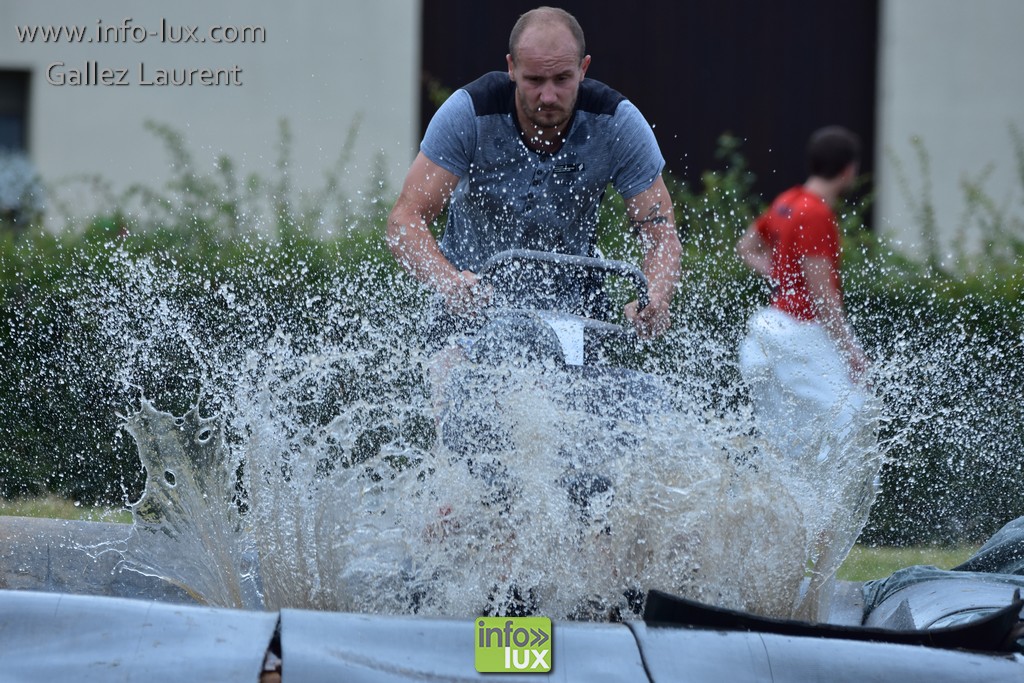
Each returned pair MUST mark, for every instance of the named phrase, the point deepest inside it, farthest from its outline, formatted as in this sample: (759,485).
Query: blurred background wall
(321,65)
(943,72)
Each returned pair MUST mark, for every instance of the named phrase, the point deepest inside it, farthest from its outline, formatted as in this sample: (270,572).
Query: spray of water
(312,469)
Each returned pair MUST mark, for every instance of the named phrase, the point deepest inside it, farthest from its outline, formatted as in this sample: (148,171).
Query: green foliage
(947,346)
(437,92)
(715,214)
(282,250)
(998,227)
(954,437)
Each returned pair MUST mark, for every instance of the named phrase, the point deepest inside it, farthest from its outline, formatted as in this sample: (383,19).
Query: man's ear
(511,68)
(583,67)
(848,177)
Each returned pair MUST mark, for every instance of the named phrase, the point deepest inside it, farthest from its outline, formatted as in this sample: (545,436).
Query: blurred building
(949,75)
(79,103)
(943,71)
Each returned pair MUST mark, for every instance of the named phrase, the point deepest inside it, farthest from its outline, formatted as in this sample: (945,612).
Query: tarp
(49,637)
(55,635)
(925,597)
(65,556)
(690,654)
(327,647)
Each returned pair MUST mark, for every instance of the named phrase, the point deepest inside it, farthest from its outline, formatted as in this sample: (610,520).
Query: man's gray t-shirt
(510,197)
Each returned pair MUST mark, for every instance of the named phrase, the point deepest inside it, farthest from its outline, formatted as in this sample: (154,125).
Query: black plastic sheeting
(974,597)
(975,606)
(1002,554)
(999,561)
(995,628)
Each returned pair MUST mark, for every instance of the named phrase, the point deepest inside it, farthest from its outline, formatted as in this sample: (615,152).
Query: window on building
(14,85)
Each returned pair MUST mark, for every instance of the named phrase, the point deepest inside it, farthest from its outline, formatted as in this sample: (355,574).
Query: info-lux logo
(513,644)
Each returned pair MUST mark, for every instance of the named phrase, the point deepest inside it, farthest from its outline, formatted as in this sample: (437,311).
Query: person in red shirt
(804,367)
(800,356)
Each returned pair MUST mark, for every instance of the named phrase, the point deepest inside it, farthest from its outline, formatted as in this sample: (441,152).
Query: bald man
(523,159)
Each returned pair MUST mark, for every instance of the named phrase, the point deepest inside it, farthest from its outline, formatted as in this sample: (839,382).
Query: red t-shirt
(799,223)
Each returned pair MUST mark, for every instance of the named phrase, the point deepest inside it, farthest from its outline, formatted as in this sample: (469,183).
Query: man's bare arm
(828,307)
(425,192)
(755,252)
(652,217)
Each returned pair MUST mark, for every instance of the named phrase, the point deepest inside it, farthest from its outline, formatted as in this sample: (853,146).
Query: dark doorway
(768,73)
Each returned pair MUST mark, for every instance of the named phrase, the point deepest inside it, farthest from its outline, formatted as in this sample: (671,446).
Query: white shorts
(799,383)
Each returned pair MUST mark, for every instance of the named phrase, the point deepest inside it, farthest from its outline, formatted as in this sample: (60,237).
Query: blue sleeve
(450,139)
(637,149)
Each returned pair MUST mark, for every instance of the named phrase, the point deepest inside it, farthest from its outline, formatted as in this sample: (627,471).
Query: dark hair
(542,14)
(830,150)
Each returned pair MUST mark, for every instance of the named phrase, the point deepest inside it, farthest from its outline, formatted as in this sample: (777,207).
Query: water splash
(307,470)
(187,526)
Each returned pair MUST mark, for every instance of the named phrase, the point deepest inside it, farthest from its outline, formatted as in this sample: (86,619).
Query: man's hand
(653,321)
(755,252)
(465,294)
(858,362)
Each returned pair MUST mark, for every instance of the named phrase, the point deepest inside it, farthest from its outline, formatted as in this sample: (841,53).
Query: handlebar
(622,269)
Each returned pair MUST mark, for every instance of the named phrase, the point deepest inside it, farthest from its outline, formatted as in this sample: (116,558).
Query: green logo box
(513,645)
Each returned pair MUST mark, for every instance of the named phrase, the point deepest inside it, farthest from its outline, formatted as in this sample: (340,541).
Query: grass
(863,564)
(55,507)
